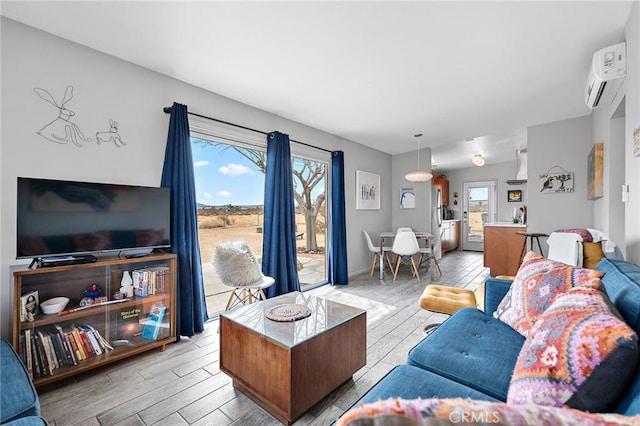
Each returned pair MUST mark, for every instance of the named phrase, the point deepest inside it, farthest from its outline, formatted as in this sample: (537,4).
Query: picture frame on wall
(514,195)
(407,198)
(595,160)
(367,191)
(556,182)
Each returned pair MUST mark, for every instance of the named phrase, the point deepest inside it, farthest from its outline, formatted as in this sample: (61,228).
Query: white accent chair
(375,250)
(405,246)
(237,267)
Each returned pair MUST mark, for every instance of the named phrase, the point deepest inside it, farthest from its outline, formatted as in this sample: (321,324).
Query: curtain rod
(167,110)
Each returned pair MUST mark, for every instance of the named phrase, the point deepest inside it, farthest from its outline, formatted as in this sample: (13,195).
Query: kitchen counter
(502,247)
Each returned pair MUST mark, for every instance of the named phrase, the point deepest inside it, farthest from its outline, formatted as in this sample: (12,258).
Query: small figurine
(93,291)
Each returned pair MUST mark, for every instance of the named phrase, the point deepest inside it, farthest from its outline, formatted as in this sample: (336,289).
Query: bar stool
(530,236)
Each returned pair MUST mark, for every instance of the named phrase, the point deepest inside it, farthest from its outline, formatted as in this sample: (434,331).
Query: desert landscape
(217,229)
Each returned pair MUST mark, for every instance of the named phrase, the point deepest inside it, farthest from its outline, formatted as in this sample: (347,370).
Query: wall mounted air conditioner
(608,69)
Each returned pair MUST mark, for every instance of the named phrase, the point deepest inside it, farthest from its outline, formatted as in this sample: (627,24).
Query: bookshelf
(57,346)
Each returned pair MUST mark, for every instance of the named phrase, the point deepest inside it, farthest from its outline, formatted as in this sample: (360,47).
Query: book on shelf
(29,305)
(153,323)
(128,323)
(149,281)
(27,352)
(42,356)
(35,355)
(67,347)
(91,338)
(54,349)
(50,348)
(104,344)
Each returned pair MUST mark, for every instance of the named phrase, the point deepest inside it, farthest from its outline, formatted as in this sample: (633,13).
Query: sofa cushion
(465,411)
(18,397)
(622,283)
(409,382)
(591,254)
(579,354)
(471,348)
(538,282)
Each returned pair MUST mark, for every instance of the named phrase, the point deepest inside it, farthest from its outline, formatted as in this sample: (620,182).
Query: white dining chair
(375,250)
(427,256)
(403,229)
(405,246)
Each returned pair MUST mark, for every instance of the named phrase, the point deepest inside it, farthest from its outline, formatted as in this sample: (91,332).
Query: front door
(479,207)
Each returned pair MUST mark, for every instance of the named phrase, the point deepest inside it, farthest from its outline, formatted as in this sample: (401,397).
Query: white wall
(613,126)
(565,144)
(632,112)
(499,173)
(420,217)
(108,88)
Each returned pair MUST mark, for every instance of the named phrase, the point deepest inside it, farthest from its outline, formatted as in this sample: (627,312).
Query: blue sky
(226,177)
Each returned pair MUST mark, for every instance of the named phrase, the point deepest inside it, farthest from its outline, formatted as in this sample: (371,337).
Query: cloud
(225,194)
(200,163)
(207,195)
(232,169)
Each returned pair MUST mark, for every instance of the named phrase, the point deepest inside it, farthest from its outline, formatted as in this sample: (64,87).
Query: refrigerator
(436,221)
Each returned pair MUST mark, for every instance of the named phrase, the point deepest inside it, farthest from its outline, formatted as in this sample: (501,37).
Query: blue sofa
(473,355)
(19,403)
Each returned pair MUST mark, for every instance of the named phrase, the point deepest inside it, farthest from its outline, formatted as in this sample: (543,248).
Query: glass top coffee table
(288,366)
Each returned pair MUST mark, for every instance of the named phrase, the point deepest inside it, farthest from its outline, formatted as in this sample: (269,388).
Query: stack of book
(150,281)
(46,349)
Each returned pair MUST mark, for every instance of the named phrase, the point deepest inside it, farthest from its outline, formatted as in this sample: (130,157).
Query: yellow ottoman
(446,299)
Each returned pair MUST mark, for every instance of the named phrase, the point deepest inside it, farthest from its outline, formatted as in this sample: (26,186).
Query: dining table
(390,235)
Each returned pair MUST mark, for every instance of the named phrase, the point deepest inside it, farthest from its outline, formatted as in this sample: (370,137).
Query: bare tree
(307,176)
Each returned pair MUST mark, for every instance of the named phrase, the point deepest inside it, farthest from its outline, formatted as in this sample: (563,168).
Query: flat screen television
(56,217)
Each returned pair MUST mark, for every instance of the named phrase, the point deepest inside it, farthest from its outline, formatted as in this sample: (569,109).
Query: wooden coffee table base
(287,381)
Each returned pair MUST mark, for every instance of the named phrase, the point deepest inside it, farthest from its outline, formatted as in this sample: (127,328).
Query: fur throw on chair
(236,264)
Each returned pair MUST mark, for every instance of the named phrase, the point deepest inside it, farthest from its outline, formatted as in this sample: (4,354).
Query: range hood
(521,168)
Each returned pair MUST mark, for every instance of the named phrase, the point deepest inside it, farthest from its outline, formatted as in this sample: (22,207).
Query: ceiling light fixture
(478,160)
(418,175)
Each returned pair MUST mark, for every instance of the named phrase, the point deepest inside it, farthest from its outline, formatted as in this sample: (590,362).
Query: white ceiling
(372,72)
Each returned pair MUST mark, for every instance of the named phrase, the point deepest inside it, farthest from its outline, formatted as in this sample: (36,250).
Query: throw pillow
(592,254)
(536,285)
(580,354)
(468,411)
(236,265)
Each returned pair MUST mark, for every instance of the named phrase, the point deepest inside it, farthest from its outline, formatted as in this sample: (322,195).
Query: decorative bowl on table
(54,305)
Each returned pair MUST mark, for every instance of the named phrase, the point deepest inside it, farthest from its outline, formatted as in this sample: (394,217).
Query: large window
(229,180)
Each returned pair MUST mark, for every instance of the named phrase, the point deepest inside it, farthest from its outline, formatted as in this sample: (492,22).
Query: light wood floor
(184,385)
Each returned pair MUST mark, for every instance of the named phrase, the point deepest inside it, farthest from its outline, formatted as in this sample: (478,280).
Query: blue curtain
(177,174)
(338,231)
(279,240)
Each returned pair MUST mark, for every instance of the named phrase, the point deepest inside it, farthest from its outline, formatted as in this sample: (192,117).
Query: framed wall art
(367,191)
(407,198)
(553,182)
(594,172)
(514,196)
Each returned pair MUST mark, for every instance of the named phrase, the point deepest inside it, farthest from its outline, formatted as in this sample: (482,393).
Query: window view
(478,212)
(229,183)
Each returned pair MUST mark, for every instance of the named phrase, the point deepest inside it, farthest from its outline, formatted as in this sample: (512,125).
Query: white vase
(126,281)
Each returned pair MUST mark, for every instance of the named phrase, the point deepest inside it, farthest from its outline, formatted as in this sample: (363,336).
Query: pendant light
(418,175)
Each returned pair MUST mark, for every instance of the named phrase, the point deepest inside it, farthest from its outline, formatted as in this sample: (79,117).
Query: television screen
(57,217)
